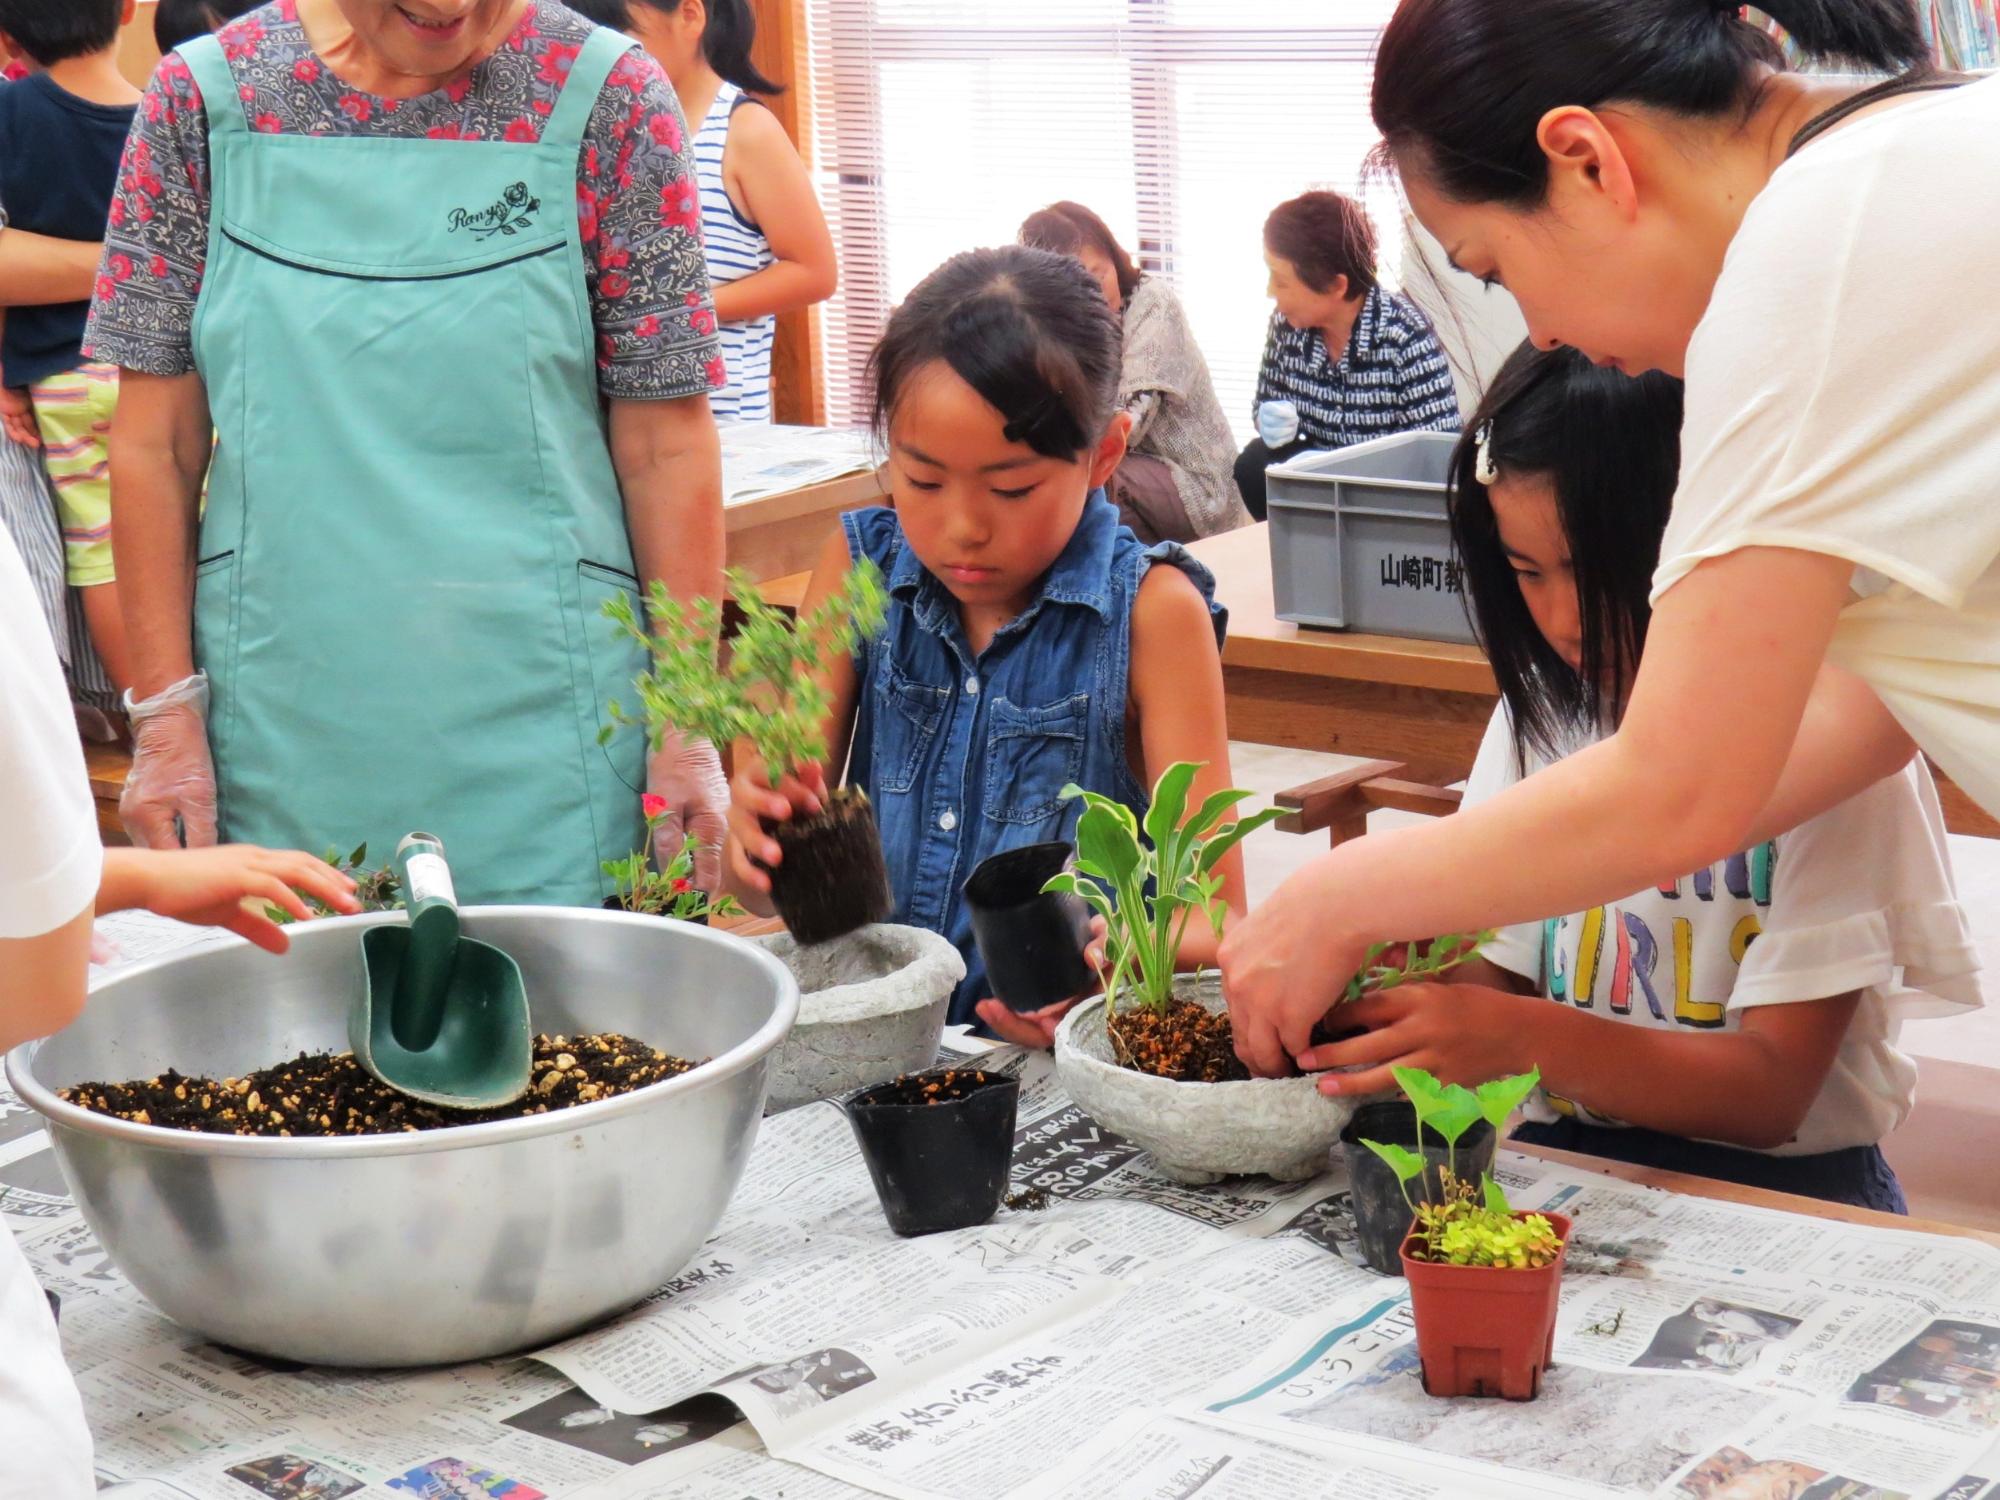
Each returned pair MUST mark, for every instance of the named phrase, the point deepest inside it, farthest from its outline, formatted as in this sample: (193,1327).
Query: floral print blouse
(636,200)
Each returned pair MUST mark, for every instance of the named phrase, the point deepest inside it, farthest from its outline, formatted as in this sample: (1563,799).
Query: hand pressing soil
(325,1093)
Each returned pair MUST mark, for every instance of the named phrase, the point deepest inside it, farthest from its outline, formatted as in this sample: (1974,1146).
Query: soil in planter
(940,1087)
(1186,1042)
(325,1093)
(831,880)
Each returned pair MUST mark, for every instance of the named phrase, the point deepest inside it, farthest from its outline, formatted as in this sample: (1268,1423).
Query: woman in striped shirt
(767,242)
(1388,374)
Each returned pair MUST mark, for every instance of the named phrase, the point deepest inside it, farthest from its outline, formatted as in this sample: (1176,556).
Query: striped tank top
(735,248)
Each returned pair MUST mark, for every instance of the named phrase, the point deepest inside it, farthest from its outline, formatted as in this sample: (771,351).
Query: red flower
(522,129)
(692,299)
(653,806)
(445,132)
(613,284)
(634,71)
(143,207)
(647,327)
(606,349)
(267,122)
(556,62)
(107,290)
(542,106)
(702,321)
(355,107)
(158,267)
(680,204)
(614,258)
(682,886)
(117,214)
(666,131)
(121,267)
(718,374)
(242,39)
(306,69)
(586,212)
(456,90)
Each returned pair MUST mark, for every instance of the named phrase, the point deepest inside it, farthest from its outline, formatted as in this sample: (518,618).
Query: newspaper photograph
(760,459)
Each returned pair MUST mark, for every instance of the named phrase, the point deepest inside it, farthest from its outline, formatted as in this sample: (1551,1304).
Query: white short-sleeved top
(50,863)
(1859,898)
(1843,397)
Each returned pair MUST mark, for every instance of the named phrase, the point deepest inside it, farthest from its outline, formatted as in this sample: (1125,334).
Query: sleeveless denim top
(964,756)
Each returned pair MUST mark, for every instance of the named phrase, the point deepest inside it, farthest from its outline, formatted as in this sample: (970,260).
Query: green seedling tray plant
(769,693)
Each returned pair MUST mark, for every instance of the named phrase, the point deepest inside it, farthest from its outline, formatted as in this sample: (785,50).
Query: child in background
(1742,1023)
(1031,640)
(762,231)
(62,130)
(177,21)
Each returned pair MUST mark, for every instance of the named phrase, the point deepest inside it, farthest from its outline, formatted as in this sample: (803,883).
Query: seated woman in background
(1175,482)
(1344,361)
(762,231)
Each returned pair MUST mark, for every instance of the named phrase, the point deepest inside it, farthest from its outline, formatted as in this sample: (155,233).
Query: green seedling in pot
(1149,889)
(1467,1227)
(376,890)
(1422,963)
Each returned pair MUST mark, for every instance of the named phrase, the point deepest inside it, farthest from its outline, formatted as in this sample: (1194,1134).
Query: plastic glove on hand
(169,796)
(687,773)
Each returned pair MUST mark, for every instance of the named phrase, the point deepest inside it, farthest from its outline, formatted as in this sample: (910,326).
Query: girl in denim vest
(1031,641)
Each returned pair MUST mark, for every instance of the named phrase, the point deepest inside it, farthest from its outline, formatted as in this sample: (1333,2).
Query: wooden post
(780,52)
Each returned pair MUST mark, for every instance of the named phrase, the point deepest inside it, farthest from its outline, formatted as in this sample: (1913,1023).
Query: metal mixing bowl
(429,1247)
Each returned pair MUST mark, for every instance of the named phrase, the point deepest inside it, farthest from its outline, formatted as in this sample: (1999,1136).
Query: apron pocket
(215,642)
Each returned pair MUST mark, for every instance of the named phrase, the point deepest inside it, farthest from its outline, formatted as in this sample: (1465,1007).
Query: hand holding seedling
(754,804)
(1037,1028)
(1460,1032)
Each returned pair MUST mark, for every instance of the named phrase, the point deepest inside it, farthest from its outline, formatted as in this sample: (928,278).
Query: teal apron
(413,522)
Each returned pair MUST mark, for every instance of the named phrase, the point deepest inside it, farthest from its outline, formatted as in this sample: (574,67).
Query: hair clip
(1483,468)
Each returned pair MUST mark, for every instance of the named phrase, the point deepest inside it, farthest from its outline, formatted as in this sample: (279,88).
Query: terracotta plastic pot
(1484,1330)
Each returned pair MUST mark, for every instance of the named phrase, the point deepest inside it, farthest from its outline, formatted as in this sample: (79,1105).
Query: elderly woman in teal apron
(432,273)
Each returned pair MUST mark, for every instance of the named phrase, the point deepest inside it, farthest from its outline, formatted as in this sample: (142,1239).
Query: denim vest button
(972,686)
(948,820)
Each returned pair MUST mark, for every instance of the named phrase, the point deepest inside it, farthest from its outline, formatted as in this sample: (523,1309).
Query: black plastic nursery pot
(1382,1217)
(832,879)
(938,1145)
(1032,941)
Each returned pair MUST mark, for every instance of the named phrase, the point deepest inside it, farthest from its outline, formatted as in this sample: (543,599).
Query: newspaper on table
(760,460)
(1111,1333)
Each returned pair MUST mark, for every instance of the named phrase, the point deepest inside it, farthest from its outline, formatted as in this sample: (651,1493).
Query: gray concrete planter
(871,1007)
(1199,1132)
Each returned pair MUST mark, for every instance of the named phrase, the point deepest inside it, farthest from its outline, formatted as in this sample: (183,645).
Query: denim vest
(964,756)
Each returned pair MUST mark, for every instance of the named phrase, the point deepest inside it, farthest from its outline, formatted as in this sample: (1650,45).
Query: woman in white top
(54,877)
(1645,178)
(767,242)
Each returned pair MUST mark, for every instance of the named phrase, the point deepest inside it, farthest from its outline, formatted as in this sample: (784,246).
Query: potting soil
(1186,1042)
(324,1093)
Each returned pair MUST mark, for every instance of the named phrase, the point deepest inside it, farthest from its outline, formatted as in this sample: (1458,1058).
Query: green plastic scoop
(441,1017)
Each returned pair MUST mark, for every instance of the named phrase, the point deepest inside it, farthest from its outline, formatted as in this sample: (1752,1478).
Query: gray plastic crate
(1360,539)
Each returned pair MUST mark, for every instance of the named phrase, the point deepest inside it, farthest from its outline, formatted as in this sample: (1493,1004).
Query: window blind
(940,124)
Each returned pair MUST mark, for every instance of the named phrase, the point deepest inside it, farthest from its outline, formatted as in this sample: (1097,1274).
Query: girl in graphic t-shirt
(1738,1023)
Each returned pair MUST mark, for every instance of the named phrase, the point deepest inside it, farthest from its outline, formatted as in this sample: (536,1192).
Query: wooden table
(1424,703)
(1729,1192)
(783,534)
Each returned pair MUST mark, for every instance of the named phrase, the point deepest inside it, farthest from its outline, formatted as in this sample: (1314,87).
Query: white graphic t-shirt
(1859,898)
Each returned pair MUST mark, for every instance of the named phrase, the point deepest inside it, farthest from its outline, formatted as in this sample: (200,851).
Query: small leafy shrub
(1421,963)
(769,692)
(1467,1226)
(376,890)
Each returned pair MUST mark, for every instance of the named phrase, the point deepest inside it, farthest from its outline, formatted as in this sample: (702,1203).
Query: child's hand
(1464,1033)
(229,885)
(753,801)
(1037,1028)
(17,417)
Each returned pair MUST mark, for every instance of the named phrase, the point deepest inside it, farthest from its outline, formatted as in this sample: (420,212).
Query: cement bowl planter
(871,1008)
(438,1246)
(1199,1132)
